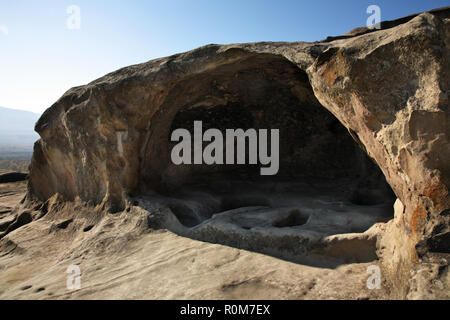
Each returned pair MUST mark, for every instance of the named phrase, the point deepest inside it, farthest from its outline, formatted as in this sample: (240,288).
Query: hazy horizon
(23,110)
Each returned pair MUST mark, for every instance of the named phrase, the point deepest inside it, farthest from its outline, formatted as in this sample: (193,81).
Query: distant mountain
(17,130)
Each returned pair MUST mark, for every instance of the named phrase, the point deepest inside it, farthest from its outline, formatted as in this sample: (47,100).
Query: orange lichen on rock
(334,68)
(438,193)
(418,219)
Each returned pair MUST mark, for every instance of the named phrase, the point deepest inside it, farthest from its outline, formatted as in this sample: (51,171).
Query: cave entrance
(325,185)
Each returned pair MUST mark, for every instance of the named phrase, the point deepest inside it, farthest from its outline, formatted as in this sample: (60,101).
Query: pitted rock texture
(390,89)
(108,141)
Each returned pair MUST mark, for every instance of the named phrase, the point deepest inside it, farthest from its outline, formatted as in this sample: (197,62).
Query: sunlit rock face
(103,148)
(353,112)
(390,89)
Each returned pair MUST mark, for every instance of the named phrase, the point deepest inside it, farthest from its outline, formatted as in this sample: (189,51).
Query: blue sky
(41,58)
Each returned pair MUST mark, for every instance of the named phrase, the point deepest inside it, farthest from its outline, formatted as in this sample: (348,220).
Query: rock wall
(389,88)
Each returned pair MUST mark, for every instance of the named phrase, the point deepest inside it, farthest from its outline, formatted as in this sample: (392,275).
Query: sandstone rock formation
(390,89)
(106,146)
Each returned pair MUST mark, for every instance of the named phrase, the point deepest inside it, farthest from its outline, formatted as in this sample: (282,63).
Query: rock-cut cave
(327,185)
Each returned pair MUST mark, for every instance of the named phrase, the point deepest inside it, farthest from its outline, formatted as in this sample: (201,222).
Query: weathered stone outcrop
(107,141)
(390,89)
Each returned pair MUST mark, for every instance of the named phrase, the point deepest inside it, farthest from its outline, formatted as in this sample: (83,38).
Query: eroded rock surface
(121,257)
(106,146)
(390,89)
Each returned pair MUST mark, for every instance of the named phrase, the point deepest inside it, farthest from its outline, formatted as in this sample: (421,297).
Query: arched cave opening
(326,184)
